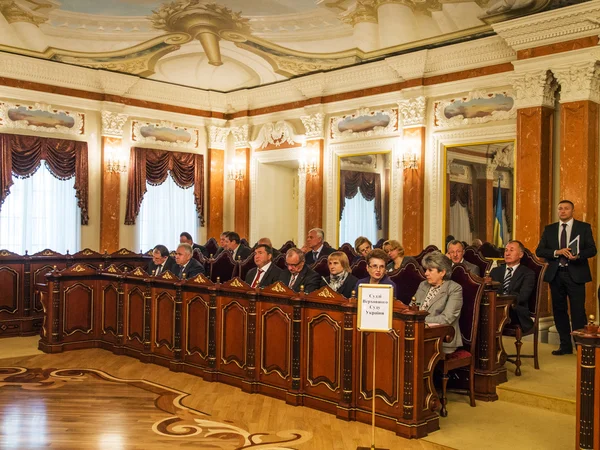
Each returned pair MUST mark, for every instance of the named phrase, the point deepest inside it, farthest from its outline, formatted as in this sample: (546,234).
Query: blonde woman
(395,253)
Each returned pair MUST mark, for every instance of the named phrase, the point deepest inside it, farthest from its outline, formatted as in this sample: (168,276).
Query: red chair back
(472,287)
(428,249)
(539,267)
(473,256)
(359,270)
(223,267)
(379,243)
(349,251)
(321,267)
(245,266)
(285,247)
(280,261)
(489,250)
(407,279)
(211,246)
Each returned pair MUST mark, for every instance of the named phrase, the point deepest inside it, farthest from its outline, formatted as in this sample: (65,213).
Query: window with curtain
(40,212)
(166,211)
(358,219)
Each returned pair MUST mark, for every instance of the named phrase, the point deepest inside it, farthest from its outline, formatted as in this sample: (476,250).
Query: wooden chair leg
(472,384)
(536,362)
(443,399)
(518,345)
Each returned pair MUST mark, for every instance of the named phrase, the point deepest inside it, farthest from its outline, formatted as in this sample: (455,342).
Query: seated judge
(161,261)
(221,244)
(395,252)
(363,246)
(340,278)
(267,241)
(238,251)
(440,296)
(186,238)
(298,273)
(516,279)
(187,267)
(376,263)
(456,252)
(316,249)
(265,273)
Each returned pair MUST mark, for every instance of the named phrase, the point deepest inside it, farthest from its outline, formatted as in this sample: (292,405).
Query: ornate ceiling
(236,44)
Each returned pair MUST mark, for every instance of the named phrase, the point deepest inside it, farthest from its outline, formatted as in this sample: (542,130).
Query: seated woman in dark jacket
(376,262)
(340,278)
(440,296)
(395,252)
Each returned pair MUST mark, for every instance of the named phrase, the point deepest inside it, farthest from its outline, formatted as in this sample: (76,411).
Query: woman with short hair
(395,252)
(440,296)
(340,278)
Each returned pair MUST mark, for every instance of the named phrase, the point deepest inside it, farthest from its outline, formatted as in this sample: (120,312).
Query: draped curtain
(369,185)
(463,194)
(154,166)
(358,219)
(506,206)
(22,156)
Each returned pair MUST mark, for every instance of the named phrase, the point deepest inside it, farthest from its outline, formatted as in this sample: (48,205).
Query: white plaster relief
(314,125)
(240,136)
(113,124)
(138,137)
(217,137)
(441,121)
(277,134)
(536,88)
(77,129)
(579,82)
(412,112)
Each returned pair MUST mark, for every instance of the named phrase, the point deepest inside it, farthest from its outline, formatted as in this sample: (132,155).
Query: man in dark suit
(340,277)
(516,279)
(186,238)
(187,267)
(265,273)
(298,273)
(568,270)
(316,249)
(221,243)
(161,261)
(456,253)
(238,251)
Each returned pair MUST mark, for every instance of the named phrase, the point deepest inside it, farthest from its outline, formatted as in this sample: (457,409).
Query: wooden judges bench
(302,348)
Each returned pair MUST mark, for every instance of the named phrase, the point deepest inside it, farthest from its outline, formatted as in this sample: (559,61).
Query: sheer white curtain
(459,223)
(41,212)
(167,210)
(358,219)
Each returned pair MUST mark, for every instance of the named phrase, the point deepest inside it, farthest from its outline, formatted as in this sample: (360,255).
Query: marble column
(216,179)
(242,186)
(112,140)
(579,140)
(533,161)
(412,115)
(313,198)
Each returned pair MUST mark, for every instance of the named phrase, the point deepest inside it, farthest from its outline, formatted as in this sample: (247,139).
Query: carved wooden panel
(164,334)
(387,369)
(276,343)
(234,321)
(324,352)
(110,310)
(39,276)
(9,294)
(197,326)
(78,307)
(135,315)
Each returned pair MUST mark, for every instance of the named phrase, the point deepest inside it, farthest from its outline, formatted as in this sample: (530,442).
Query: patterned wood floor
(92,399)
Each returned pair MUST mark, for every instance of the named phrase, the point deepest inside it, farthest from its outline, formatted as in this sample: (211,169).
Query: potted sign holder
(375,311)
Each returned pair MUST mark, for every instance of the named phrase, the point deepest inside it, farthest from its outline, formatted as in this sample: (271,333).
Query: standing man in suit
(186,238)
(187,266)
(568,270)
(265,273)
(316,249)
(161,261)
(298,273)
(238,251)
(456,252)
(516,279)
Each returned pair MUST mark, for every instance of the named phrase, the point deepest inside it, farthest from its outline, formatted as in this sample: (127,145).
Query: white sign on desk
(375,307)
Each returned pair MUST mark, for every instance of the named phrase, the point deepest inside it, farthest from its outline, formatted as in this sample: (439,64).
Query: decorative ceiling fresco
(236,44)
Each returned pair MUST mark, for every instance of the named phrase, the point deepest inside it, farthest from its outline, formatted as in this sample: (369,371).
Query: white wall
(277,199)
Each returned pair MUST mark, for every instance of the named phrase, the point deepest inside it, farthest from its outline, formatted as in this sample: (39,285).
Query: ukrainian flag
(498,228)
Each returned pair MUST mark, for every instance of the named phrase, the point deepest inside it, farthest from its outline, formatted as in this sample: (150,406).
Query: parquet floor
(92,399)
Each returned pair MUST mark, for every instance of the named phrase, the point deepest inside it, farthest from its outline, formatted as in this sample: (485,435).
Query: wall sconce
(409,159)
(308,162)
(114,164)
(236,171)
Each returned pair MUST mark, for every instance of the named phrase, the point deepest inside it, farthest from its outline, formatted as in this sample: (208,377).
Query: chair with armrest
(349,251)
(407,279)
(379,243)
(198,256)
(244,242)
(285,247)
(321,266)
(279,261)
(211,247)
(514,329)
(473,288)
(245,266)
(222,267)
(489,250)
(428,249)
(359,270)
(473,256)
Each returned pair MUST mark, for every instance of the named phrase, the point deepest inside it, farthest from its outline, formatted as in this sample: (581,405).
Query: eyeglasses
(293,265)
(377,267)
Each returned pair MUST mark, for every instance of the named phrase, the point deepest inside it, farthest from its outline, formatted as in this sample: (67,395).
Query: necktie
(158,270)
(257,278)
(293,280)
(315,255)
(432,293)
(507,278)
(563,244)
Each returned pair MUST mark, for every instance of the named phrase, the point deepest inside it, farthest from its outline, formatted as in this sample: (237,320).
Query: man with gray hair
(298,273)
(187,267)
(316,249)
(456,252)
